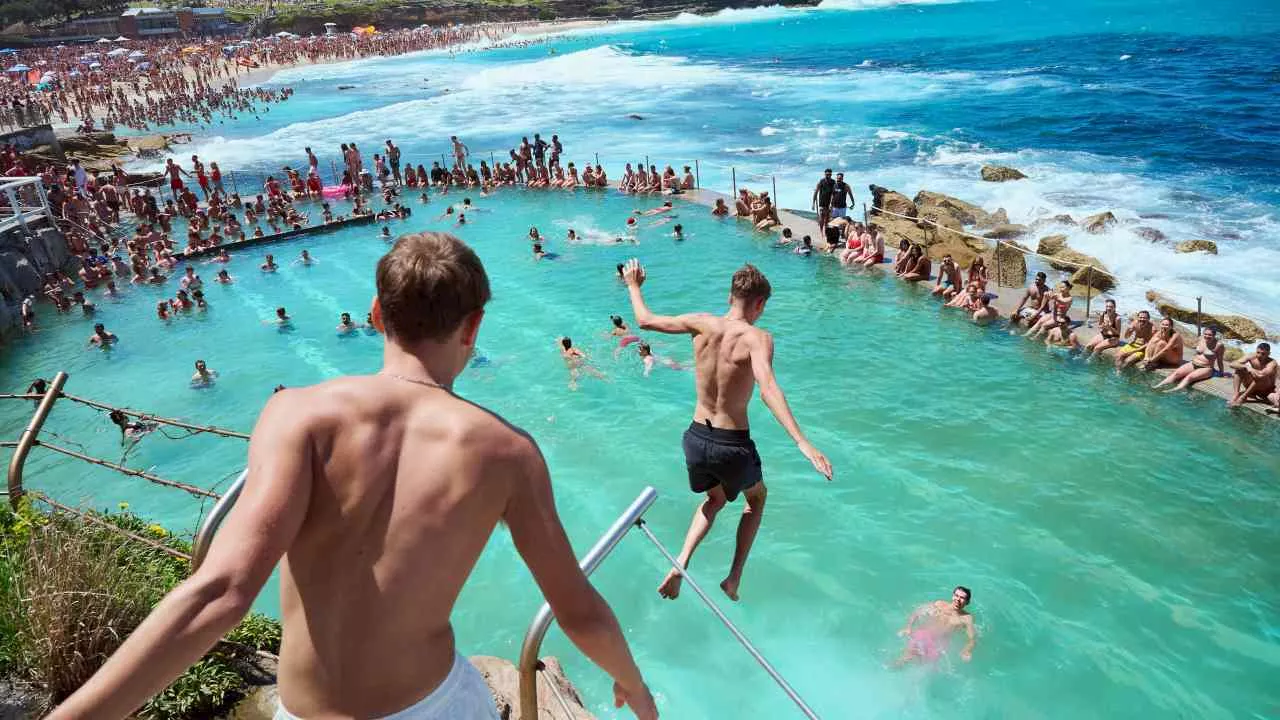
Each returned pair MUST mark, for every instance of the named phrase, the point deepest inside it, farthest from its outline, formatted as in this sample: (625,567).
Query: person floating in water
(622,332)
(39,386)
(577,362)
(938,620)
(730,356)
(101,337)
(305,259)
(346,326)
(203,376)
(282,319)
(270,264)
(130,431)
(651,361)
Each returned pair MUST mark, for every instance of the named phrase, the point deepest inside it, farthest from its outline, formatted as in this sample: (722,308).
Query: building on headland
(146,23)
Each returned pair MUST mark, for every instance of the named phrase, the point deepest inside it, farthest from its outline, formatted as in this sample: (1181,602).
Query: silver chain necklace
(416,381)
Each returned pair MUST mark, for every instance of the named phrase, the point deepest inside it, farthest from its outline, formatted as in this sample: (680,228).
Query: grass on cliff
(71,592)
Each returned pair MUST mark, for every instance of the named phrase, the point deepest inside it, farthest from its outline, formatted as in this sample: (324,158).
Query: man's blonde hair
(750,284)
(427,285)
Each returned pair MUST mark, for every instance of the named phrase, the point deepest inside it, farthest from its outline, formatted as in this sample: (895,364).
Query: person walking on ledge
(731,356)
(377,494)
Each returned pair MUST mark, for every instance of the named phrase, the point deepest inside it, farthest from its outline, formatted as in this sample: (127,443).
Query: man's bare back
(378,493)
(722,351)
(407,484)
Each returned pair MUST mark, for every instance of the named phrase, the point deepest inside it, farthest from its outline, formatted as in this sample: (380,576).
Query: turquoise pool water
(1120,544)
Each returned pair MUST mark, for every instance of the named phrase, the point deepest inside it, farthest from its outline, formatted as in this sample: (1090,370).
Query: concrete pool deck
(1005,300)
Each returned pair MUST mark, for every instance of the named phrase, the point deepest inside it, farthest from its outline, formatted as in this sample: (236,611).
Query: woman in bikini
(1108,331)
(978,273)
(1206,363)
(1060,302)
(903,257)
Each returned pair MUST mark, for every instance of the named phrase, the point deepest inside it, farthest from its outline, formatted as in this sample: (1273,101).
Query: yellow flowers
(157,530)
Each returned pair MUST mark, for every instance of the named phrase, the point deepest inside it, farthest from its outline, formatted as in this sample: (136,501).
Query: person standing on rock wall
(376,495)
(822,201)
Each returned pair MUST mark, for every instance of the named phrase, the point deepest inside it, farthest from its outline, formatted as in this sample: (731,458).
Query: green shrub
(72,591)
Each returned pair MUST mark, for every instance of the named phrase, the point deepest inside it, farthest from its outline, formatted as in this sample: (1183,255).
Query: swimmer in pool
(666,207)
(462,219)
(622,332)
(577,362)
(677,233)
(101,337)
(203,376)
(572,236)
(270,264)
(650,360)
(447,212)
(539,253)
(345,326)
(130,431)
(305,259)
(938,620)
(386,233)
(223,277)
(282,319)
(534,235)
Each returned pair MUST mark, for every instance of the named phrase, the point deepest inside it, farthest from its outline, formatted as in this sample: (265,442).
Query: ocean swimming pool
(1120,544)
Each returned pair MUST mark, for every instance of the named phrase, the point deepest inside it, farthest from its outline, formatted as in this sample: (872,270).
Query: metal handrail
(632,516)
(529,663)
(212,521)
(28,437)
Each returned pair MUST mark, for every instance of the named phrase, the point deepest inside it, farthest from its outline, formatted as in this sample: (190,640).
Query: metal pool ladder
(529,664)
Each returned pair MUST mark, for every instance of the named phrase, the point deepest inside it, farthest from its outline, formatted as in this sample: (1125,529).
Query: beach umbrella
(19,68)
(121,39)
(117,52)
(95,65)
(136,54)
(103,41)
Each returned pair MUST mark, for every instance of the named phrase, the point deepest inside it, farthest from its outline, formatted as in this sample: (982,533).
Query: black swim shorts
(727,458)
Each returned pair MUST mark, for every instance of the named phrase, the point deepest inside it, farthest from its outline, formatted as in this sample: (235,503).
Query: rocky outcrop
(1100,222)
(1000,173)
(964,213)
(999,217)
(1234,327)
(1051,244)
(1010,264)
(1188,246)
(1149,234)
(24,261)
(893,202)
(1095,277)
(1069,260)
(1006,232)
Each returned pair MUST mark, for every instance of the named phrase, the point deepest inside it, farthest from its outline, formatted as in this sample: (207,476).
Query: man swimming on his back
(731,355)
(376,495)
(941,618)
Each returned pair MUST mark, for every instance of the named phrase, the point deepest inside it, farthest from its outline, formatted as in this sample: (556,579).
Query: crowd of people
(144,84)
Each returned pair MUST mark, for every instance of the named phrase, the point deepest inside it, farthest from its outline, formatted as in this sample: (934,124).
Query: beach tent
(95,65)
(19,68)
(121,39)
(117,52)
(103,41)
(136,54)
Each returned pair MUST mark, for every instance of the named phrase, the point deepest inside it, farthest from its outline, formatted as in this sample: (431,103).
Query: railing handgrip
(212,521)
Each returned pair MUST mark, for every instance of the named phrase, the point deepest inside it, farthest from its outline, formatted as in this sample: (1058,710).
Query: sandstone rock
(259,704)
(1000,173)
(1098,223)
(896,229)
(1234,327)
(1069,260)
(1051,244)
(504,682)
(1232,354)
(1095,277)
(966,213)
(1188,246)
(1064,219)
(1149,234)
(1006,232)
(999,217)
(953,245)
(1010,264)
(893,202)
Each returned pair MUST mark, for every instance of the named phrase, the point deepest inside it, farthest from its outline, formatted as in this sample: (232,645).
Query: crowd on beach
(143,84)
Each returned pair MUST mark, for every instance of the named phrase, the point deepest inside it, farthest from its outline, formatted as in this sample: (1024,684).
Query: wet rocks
(1149,234)
(1189,246)
(999,217)
(893,202)
(1234,327)
(1010,264)
(1006,231)
(940,204)
(1001,173)
(1051,244)
(1100,222)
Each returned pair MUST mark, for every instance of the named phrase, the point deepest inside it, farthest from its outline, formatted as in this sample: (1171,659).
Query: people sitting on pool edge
(1207,362)
(1255,378)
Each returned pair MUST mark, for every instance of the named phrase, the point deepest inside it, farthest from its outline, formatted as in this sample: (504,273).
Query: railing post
(234,188)
(998,267)
(774,180)
(28,437)
(1199,309)
(733,173)
(697,175)
(866,216)
(597,158)
(529,662)
(1088,293)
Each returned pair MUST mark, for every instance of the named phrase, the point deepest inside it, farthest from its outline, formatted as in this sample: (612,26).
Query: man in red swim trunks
(939,619)
(175,173)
